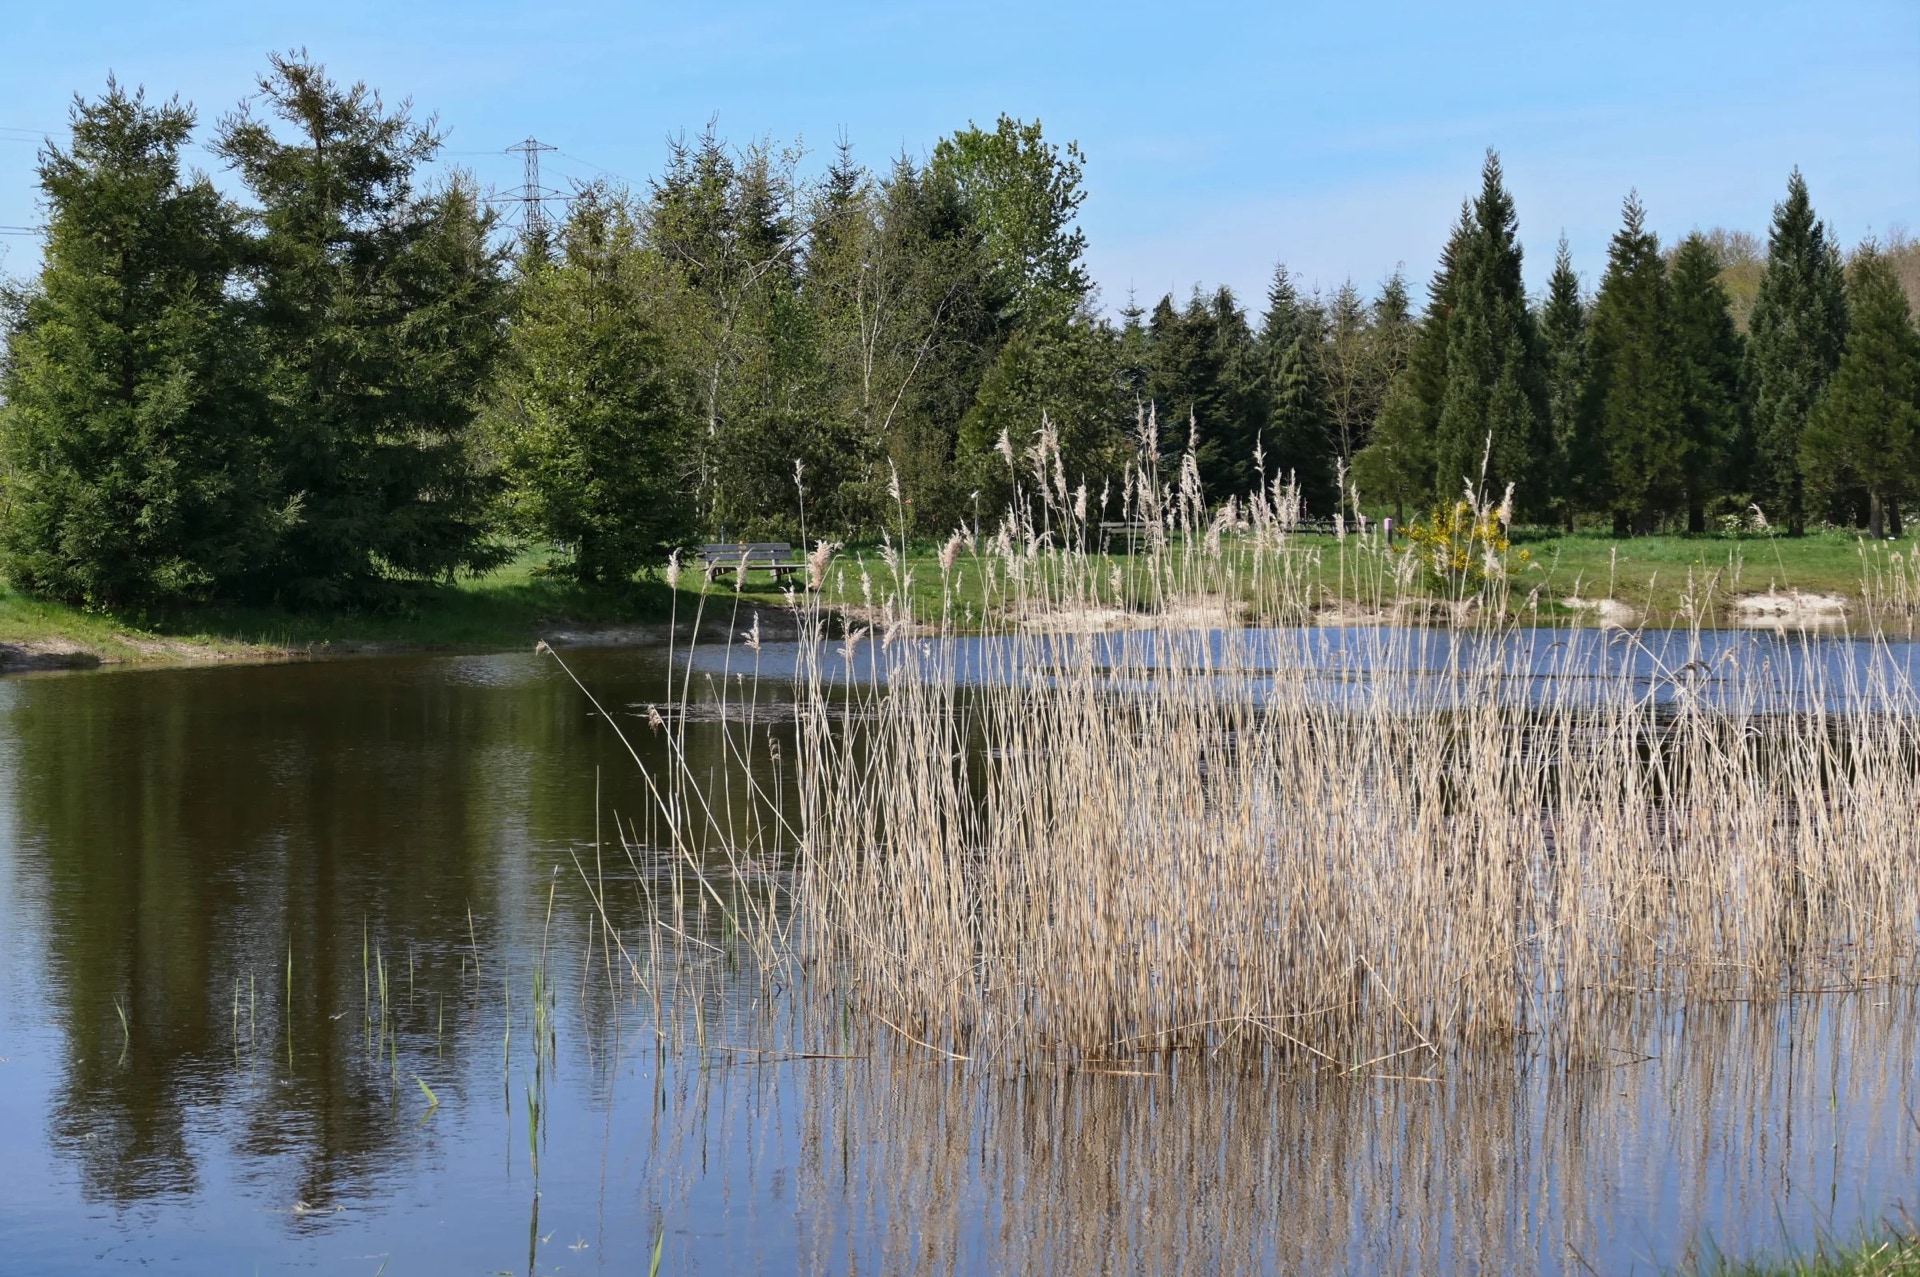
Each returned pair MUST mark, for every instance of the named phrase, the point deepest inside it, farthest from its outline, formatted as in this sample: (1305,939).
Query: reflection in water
(1504,1167)
(183,831)
(203,875)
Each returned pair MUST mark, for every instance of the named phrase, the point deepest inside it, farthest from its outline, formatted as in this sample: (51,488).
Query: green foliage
(1710,354)
(593,440)
(727,232)
(1397,463)
(1023,193)
(1865,429)
(1299,442)
(381,306)
(910,316)
(1292,395)
(1563,331)
(1204,380)
(131,428)
(1054,378)
(1637,385)
(1463,548)
(1794,338)
(1411,420)
(281,403)
(1491,425)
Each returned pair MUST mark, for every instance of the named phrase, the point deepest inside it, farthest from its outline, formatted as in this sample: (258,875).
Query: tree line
(351,376)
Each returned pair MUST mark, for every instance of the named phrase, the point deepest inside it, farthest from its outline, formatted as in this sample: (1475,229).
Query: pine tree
(131,443)
(1563,330)
(382,308)
(1637,387)
(592,436)
(1865,428)
(1135,368)
(1794,338)
(1492,406)
(1710,354)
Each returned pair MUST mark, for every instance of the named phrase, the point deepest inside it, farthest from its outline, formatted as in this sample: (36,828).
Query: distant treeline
(357,377)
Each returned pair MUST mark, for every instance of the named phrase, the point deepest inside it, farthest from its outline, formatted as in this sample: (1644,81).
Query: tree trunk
(1893,519)
(1875,523)
(1620,527)
(1643,521)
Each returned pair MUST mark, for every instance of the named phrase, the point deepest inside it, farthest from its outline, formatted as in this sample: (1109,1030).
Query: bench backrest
(751,551)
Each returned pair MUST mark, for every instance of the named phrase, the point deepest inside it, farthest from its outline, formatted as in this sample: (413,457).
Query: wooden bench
(762,556)
(1129,531)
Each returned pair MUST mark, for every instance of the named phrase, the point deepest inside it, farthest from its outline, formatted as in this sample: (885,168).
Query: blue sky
(1220,138)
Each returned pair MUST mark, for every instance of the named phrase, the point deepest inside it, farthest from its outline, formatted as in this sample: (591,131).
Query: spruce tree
(1292,402)
(1390,336)
(1710,354)
(1865,428)
(1795,335)
(1637,389)
(591,433)
(382,307)
(131,445)
(1299,437)
(1397,464)
(1206,388)
(1578,481)
(1492,405)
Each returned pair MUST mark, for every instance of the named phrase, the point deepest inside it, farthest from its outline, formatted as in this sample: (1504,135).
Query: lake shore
(1815,580)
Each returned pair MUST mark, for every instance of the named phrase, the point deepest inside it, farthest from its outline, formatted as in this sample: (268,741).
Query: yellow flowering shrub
(1462,547)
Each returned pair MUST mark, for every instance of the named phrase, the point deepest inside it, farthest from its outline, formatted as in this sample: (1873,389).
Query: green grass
(1651,573)
(1892,1255)
(506,608)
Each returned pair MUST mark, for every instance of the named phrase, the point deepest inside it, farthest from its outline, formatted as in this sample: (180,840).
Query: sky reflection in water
(167,838)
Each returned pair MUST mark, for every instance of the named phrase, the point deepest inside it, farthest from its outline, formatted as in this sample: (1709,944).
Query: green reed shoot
(433,1101)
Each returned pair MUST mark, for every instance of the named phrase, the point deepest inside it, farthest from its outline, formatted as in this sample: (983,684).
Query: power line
(533,196)
(602,168)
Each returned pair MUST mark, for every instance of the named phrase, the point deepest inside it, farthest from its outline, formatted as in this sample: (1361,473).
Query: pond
(301,968)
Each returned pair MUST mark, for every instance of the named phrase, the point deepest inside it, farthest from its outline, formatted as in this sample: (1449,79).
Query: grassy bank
(507,608)
(517,604)
(1890,1256)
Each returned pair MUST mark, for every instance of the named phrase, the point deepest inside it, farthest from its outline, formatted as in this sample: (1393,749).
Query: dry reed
(1013,837)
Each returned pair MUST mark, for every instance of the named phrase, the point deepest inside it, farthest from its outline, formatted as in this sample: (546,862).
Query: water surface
(171,1100)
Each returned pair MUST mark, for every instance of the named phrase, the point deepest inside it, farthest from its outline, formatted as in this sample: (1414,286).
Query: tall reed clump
(1077,810)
